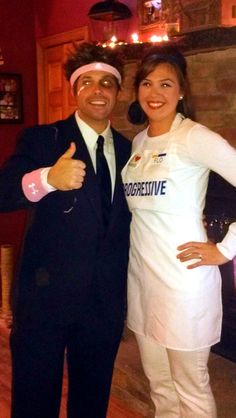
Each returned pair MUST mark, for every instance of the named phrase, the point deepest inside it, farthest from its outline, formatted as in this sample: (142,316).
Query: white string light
(113,42)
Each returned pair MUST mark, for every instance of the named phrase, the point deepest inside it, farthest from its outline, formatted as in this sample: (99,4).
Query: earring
(181,97)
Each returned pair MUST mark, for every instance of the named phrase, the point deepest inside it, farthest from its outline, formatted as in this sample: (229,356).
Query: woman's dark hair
(159,55)
(86,53)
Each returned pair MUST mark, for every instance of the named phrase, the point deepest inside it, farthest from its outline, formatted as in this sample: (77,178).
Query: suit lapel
(90,186)
(118,198)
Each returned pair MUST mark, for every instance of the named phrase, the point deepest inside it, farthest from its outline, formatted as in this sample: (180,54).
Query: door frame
(76,35)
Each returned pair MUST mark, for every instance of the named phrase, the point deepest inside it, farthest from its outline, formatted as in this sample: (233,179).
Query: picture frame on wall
(11,100)
(159,17)
(178,16)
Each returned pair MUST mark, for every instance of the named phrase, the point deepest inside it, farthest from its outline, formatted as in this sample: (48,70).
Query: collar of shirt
(90,137)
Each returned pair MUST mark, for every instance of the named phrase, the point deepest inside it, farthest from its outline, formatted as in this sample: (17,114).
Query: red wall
(17,42)
(57,16)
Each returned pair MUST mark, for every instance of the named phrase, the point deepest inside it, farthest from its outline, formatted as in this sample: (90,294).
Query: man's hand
(67,173)
(206,252)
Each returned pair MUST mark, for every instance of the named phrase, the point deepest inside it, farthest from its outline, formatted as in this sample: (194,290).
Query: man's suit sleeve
(32,152)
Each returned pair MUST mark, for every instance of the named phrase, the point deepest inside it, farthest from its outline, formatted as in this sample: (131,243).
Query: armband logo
(33,188)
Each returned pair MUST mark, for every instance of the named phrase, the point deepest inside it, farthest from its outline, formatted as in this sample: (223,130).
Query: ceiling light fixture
(109,10)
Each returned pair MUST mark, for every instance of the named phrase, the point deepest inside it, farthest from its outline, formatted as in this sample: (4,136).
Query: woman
(175,312)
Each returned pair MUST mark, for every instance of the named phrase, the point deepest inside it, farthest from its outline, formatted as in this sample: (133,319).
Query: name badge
(158,158)
(134,161)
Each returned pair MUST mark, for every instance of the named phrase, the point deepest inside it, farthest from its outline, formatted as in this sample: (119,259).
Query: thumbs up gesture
(67,173)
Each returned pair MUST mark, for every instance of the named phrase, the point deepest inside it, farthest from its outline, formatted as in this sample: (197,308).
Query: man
(70,291)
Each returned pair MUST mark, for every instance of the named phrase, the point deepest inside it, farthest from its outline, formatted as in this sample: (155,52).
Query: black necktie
(104,180)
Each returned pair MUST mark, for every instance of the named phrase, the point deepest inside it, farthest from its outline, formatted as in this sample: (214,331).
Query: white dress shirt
(90,138)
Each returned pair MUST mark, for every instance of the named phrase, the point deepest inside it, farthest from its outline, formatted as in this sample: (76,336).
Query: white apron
(165,190)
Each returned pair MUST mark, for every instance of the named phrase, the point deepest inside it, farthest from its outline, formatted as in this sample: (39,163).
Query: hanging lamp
(109,10)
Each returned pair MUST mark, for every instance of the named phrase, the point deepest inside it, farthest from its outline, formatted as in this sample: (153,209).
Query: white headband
(99,66)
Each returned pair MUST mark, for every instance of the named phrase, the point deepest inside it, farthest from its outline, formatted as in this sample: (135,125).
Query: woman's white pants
(179,380)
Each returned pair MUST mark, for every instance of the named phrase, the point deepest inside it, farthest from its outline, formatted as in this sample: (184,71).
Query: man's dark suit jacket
(68,267)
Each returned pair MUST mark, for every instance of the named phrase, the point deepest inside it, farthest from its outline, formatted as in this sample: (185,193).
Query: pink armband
(33,187)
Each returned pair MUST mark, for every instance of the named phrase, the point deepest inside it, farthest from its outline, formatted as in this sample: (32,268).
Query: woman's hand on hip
(206,253)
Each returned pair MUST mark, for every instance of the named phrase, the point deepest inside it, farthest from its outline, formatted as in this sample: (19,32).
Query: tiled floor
(130,393)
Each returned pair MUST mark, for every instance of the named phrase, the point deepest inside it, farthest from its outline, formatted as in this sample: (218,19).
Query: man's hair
(87,53)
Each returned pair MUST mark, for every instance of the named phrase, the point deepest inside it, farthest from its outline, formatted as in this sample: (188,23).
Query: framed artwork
(200,14)
(178,15)
(11,102)
(157,11)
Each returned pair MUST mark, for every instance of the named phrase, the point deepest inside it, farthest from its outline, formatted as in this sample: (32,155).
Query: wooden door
(55,100)
(59,102)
